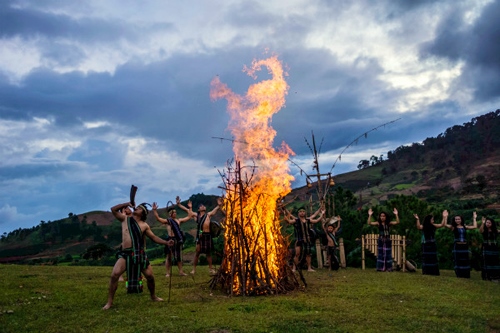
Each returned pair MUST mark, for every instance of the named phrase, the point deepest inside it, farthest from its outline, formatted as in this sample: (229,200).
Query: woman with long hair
(384,244)
(429,247)
(460,245)
(491,259)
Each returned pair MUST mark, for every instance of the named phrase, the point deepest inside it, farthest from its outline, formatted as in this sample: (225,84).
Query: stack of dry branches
(255,252)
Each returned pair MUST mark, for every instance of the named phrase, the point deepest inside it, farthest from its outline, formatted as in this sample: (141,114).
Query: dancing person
(204,241)
(132,257)
(460,245)
(491,260)
(175,233)
(429,248)
(384,244)
(303,241)
(332,244)
(127,211)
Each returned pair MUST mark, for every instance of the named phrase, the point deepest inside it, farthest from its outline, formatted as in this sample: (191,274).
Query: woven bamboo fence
(369,242)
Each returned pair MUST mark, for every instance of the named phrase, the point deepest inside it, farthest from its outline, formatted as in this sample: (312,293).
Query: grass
(401,187)
(69,299)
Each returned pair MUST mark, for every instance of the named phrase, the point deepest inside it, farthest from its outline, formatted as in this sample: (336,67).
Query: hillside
(459,168)
(463,164)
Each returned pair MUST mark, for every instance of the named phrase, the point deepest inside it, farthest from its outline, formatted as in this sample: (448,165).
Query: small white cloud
(8,213)
(95,124)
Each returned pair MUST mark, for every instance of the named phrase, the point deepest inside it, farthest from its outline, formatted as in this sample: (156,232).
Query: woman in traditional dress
(491,259)
(460,245)
(429,248)
(384,244)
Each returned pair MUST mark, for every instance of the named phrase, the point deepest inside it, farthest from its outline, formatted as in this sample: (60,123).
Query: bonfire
(255,260)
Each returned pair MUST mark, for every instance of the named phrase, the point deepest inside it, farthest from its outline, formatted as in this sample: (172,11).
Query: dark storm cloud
(477,45)
(167,100)
(35,170)
(450,41)
(328,98)
(30,23)
(486,38)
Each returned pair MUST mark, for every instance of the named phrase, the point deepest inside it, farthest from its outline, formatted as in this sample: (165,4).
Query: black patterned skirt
(384,256)
(462,260)
(429,258)
(491,262)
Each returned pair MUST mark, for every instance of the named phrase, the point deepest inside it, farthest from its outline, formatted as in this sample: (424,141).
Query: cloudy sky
(98,95)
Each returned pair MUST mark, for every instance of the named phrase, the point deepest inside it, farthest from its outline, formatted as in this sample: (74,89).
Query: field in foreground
(69,299)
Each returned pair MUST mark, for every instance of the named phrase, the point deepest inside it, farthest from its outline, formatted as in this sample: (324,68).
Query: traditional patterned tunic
(302,237)
(135,257)
(203,238)
(332,252)
(176,248)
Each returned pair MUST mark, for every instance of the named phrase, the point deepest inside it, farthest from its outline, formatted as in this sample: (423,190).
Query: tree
(363,164)
(374,160)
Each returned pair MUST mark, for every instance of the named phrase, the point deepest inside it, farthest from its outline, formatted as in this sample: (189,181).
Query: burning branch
(255,251)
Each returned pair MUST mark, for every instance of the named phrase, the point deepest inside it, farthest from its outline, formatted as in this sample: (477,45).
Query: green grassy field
(69,299)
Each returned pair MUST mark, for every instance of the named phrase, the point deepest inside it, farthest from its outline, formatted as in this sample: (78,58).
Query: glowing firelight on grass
(255,252)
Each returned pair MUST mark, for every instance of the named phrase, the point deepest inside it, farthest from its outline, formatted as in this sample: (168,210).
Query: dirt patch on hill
(100,218)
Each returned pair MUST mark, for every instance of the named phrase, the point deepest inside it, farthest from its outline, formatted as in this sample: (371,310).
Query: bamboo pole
(363,252)
(404,253)
(342,253)
(318,254)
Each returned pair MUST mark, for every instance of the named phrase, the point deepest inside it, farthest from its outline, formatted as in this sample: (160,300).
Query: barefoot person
(132,258)
(204,242)
(303,241)
(384,244)
(175,233)
(332,244)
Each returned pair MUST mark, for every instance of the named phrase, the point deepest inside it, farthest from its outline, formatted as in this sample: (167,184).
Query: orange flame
(256,210)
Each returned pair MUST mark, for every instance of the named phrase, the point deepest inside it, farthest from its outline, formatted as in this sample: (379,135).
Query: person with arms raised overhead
(384,243)
(460,244)
(429,247)
(303,240)
(332,243)
(175,233)
(204,241)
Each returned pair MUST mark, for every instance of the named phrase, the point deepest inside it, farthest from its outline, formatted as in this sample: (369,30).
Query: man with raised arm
(175,233)
(132,256)
(303,241)
(204,242)
(332,243)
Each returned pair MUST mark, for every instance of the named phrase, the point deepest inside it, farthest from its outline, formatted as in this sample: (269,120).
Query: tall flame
(251,203)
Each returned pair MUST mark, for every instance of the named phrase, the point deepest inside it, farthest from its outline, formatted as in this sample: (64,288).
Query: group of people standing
(132,257)
(305,237)
(305,240)
(133,260)
(462,266)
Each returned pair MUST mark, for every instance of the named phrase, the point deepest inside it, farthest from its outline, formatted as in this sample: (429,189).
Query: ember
(255,251)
